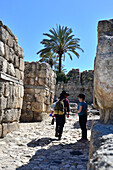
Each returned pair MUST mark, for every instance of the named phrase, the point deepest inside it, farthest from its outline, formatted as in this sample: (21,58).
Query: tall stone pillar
(103,72)
(11,80)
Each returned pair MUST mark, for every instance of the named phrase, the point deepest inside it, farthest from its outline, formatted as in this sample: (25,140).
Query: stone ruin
(39,84)
(77,83)
(11,80)
(101,144)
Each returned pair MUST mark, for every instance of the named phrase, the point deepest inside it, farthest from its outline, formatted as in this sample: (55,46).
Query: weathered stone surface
(103,74)
(11,80)
(77,83)
(36,107)
(37,96)
(11,115)
(3,65)
(100,156)
(10,127)
(21,67)
(3,102)
(11,70)
(2,48)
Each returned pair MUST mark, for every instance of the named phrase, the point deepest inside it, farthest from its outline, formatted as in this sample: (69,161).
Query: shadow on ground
(40,142)
(57,156)
(89,123)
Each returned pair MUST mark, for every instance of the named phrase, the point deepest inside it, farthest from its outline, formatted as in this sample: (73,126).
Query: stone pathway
(34,147)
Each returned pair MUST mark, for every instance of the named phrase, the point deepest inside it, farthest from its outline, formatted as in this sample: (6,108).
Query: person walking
(82,112)
(61,110)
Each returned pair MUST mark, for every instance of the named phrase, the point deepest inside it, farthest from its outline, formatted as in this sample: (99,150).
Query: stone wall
(101,146)
(77,83)
(39,83)
(11,80)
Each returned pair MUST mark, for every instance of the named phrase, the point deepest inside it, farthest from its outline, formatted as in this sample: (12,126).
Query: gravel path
(34,147)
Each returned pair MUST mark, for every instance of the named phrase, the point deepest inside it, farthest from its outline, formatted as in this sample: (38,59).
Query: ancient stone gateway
(11,80)
(39,84)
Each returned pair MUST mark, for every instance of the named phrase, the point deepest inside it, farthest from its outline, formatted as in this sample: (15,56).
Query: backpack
(59,108)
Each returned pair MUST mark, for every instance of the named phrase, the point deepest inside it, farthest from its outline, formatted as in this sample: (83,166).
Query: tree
(60,41)
(49,58)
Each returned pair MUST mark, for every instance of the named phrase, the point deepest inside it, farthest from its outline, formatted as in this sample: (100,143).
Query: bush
(61,77)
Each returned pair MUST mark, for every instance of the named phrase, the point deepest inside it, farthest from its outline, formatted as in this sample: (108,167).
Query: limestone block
(9,127)
(45,66)
(38,65)
(41,81)
(20,103)
(4,130)
(11,56)
(16,61)
(26,116)
(21,75)
(1,115)
(10,41)
(28,107)
(0,130)
(42,74)
(3,34)
(21,91)
(1,88)
(39,98)
(37,91)
(29,81)
(20,51)
(7,52)
(21,67)
(17,73)
(10,69)
(37,117)
(6,89)
(2,52)
(10,115)
(28,97)
(12,126)
(3,64)
(3,102)
(103,74)
(29,91)
(47,100)
(36,107)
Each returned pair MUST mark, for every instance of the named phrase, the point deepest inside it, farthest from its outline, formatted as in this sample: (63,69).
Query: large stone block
(2,48)
(3,65)
(37,117)
(103,74)
(21,67)
(10,69)
(3,35)
(0,130)
(37,107)
(1,115)
(10,115)
(26,116)
(3,102)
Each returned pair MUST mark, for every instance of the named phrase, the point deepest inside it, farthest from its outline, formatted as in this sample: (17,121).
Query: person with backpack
(82,113)
(61,109)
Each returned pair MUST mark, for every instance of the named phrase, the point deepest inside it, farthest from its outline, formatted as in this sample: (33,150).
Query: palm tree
(49,58)
(61,41)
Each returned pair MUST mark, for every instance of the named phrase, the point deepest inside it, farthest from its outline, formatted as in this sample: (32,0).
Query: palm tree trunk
(60,62)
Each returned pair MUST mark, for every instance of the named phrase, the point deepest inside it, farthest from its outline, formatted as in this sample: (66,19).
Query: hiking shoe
(59,138)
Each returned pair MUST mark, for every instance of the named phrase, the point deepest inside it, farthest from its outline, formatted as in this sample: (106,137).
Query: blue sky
(29,19)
